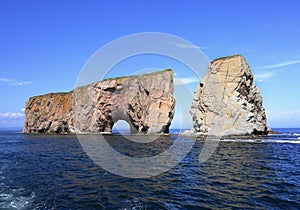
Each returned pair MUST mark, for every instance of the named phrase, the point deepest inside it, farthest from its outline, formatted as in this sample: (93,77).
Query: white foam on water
(13,198)
(241,140)
(285,141)
(263,141)
(285,134)
(12,201)
(134,204)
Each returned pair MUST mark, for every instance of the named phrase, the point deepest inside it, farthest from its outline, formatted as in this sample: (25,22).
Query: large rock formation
(146,102)
(227,102)
(50,113)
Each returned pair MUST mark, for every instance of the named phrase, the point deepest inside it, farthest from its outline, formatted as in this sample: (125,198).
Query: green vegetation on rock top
(132,76)
(115,78)
(58,93)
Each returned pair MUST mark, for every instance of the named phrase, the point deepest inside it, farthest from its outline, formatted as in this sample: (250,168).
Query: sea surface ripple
(54,172)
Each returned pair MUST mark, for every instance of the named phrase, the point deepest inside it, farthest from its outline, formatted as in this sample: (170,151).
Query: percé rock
(227,102)
(146,102)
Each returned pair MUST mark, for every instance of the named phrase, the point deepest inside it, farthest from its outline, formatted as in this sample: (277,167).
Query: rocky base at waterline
(227,102)
(200,135)
(146,102)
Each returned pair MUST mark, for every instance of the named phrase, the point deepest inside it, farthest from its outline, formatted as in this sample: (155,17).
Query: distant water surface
(53,172)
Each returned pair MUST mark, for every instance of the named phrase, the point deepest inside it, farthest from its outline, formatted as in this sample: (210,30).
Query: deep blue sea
(54,172)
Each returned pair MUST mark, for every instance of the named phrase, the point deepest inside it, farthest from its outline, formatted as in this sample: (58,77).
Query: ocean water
(54,172)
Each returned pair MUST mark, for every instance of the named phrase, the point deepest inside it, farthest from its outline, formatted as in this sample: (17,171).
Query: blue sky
(44,44)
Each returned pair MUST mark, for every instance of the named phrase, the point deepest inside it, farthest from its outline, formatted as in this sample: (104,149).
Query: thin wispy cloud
(263,76)
(185,81)
(191,46)
(282,64)
(12,82)
(12,115)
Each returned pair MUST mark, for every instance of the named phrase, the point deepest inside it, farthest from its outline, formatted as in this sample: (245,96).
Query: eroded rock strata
(227,101)
(50,113)
(146,102)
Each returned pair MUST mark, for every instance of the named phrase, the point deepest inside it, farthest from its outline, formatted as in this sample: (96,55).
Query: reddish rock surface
(146,102)
(50,113)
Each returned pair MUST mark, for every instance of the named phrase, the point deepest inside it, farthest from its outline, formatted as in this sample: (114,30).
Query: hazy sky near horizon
(45,44)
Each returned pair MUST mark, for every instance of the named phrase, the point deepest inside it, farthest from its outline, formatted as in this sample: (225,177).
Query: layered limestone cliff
(227,101)
(50,113)
(146,102)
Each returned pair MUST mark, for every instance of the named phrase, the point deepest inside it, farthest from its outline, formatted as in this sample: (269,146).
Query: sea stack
(146,102)
(227,102)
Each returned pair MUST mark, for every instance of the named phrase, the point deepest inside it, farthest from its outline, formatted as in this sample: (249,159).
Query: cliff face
(227,102)
(50,113)
(146,102)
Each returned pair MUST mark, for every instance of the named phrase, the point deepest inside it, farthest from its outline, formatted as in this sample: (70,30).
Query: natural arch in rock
(121,126)
(146,102)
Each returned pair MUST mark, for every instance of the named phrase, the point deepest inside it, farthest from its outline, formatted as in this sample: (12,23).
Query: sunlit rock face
(50,113)
(146,102)
(227,101)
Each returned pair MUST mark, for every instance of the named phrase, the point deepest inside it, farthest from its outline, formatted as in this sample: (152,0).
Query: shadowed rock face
(227,102)
(146,102)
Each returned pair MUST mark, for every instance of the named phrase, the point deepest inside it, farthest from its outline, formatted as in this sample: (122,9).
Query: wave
(263,141)
(13,198)
(12,201)
(285,141)
(287,134)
